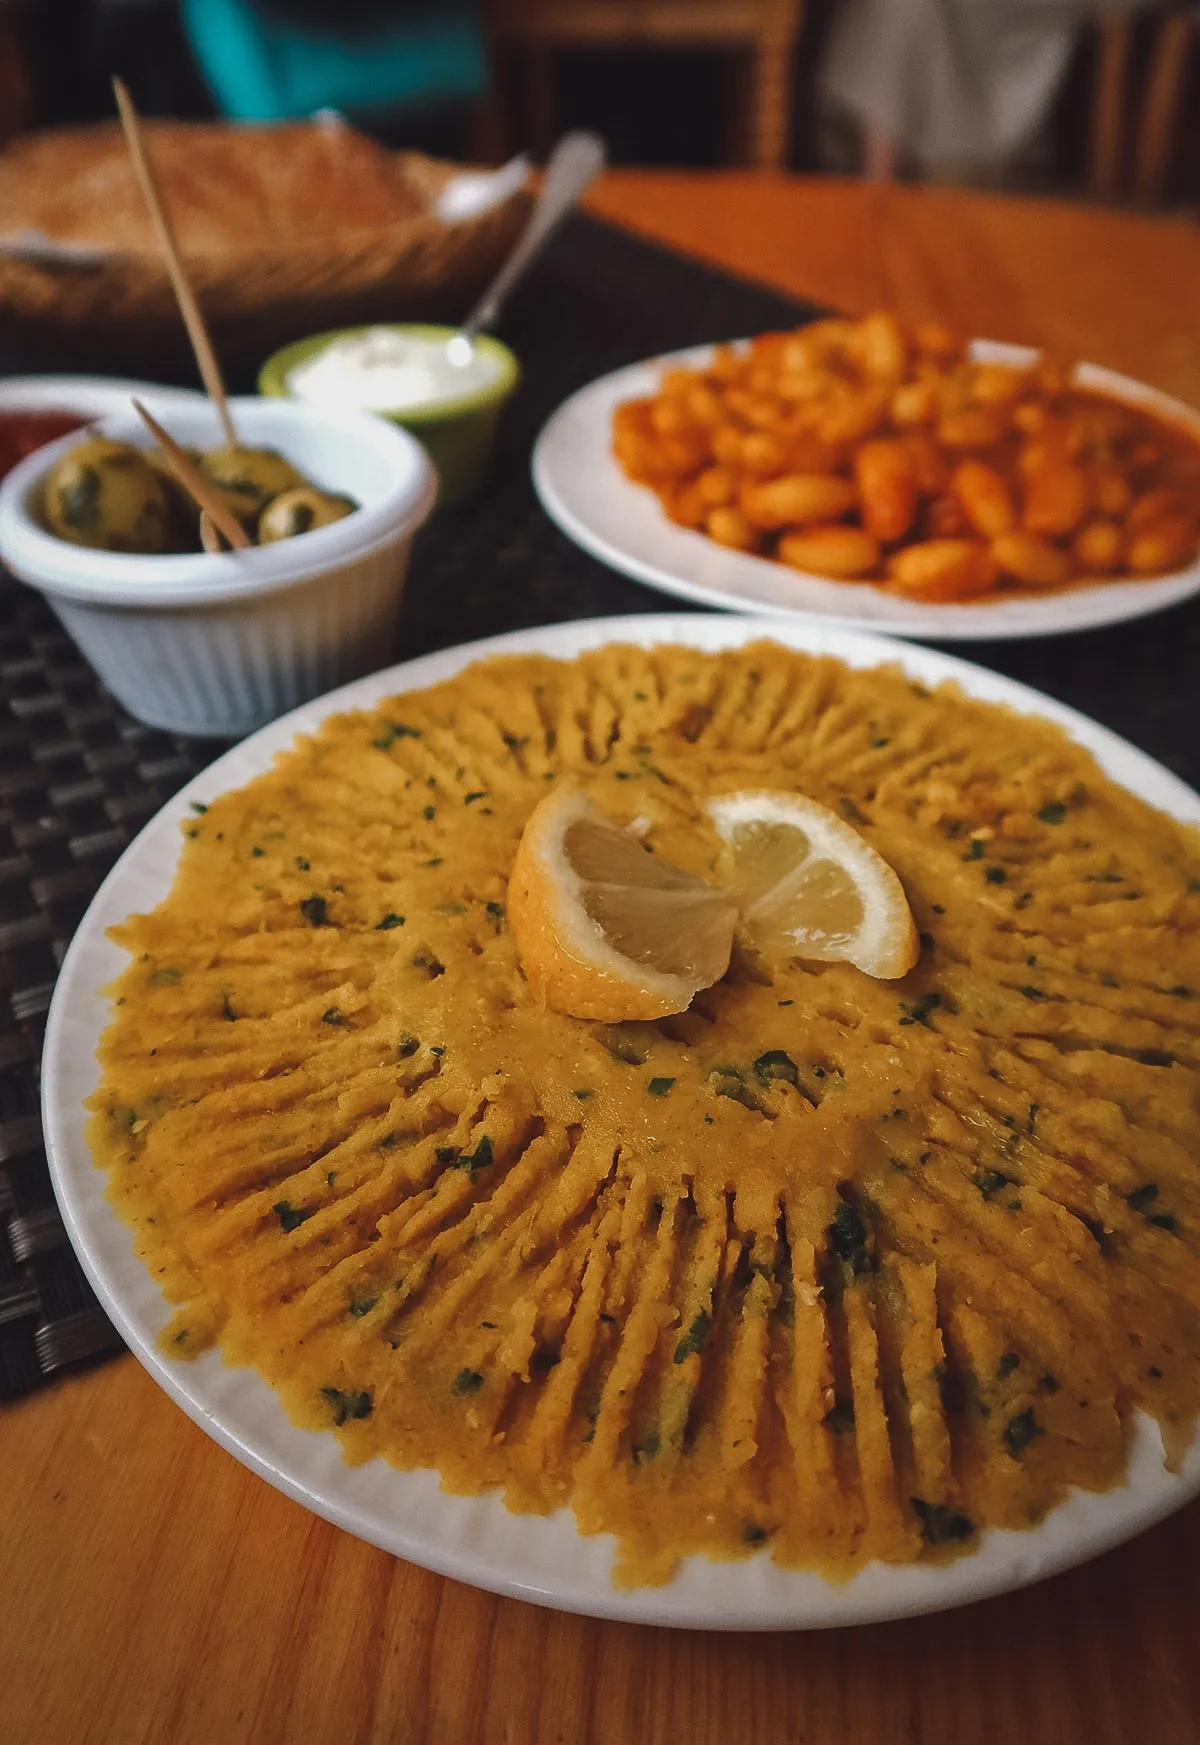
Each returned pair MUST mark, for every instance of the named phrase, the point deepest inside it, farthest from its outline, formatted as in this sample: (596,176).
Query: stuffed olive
(300,511)
(105,494)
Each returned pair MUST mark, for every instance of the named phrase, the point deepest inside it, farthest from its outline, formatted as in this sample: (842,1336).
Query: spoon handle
(572,164)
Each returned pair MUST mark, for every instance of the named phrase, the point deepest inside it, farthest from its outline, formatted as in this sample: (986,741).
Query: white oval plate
(476,1539)
(582,488)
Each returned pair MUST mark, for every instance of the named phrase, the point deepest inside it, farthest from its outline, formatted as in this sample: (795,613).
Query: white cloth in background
(954,84)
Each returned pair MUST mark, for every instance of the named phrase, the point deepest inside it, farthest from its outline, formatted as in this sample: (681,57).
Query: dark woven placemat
(78,777)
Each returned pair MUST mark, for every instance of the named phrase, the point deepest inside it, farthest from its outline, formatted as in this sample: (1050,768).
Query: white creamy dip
(383,370)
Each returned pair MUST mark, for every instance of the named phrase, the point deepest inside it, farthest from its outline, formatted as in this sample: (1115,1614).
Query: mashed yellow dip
(843,1268)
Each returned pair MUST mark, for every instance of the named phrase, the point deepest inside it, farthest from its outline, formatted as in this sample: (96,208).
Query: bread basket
(117,308)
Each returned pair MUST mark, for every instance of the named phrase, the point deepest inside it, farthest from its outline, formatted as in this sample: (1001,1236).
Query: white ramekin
(216,645)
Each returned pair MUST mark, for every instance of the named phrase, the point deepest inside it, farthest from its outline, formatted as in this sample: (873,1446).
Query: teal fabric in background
(259,69)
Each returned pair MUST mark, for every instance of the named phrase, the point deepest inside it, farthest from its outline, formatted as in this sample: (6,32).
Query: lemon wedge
(808,885)
(603,928)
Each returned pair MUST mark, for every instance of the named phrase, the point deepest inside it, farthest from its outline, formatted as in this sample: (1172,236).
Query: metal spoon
(573,162)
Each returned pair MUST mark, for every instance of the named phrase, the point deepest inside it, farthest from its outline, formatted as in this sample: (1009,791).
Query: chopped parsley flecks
(990,1182)
(360,1306)
(1053,812)
(1020,1431)
(848,1239)
(775,1064)
(479,794)
(227,1011)
(392,731)
(390,920)
(995,875)
(315,911)
(429,813)
(1142,1199)
(583,1095)
(976,851)
(291,1217)
(303,865)
(407,1046)
(1007,1364)
(730,1081)
(918,1012)
(198,807)
(467,1381)
(940,1524)
(347,1403)
(660,1087)
(333,1016)
(695,1339)
(1032,993)
(477,1159)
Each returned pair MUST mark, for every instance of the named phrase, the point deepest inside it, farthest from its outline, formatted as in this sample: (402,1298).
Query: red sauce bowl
(21,432)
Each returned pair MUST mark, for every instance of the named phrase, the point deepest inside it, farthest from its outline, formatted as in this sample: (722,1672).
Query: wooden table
(152,1590)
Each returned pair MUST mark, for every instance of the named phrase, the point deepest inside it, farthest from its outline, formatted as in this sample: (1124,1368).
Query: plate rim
(953,622)
(794,1599)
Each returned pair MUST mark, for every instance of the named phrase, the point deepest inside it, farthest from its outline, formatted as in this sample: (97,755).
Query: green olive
(252,475)
(104,494)
(300,511)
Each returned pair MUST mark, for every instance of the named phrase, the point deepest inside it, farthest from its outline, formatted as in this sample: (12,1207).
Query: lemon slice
(603,928)
(809,886)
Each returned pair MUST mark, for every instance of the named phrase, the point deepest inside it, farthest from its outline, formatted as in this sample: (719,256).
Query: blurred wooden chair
(1156,124)
(16,81)
(763,33)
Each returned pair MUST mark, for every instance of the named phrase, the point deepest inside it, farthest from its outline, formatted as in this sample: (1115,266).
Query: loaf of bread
(225,186)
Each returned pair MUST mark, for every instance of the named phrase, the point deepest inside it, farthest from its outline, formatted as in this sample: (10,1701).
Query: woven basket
(121,312)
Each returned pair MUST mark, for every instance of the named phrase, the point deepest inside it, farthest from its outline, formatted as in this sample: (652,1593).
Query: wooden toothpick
(200,489)
(206,358)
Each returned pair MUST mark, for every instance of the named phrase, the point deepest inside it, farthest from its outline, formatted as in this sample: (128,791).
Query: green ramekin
(457,434)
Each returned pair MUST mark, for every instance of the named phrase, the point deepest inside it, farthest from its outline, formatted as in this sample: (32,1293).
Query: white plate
(476,1539)
(582,488)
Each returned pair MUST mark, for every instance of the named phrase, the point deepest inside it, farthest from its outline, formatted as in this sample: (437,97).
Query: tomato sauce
(23,432)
